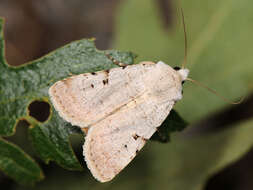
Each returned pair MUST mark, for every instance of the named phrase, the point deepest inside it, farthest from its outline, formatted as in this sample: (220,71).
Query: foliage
(21,86)
(216,53)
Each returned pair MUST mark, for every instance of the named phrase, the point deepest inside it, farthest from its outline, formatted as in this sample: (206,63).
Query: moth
(120,109)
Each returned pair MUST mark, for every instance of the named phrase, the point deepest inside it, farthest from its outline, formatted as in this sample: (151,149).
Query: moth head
(182,72)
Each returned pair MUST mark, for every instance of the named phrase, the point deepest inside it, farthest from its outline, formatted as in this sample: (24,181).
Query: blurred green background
(215,152)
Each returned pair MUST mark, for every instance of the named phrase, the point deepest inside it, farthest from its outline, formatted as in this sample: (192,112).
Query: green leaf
(18,165)
(51,142)
(21,86)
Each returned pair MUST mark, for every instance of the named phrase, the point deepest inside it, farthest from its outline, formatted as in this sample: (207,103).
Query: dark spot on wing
(92,85)
(93,73)
(135,136)
(105,81)
(144,139)
(123,67)
(125,146)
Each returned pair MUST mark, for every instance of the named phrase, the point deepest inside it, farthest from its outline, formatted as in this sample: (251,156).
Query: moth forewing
(123,108)
(87,98)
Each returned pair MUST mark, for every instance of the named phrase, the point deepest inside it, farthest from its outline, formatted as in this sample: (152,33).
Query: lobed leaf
(21,86)
(18,165)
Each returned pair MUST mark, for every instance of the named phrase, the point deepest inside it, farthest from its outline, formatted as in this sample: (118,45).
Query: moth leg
(116,62)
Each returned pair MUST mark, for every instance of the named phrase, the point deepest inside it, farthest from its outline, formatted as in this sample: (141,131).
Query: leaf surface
(18,165)
(21,86)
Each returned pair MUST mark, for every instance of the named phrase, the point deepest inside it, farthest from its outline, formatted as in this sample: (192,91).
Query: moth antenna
(185,38)
(215,92)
